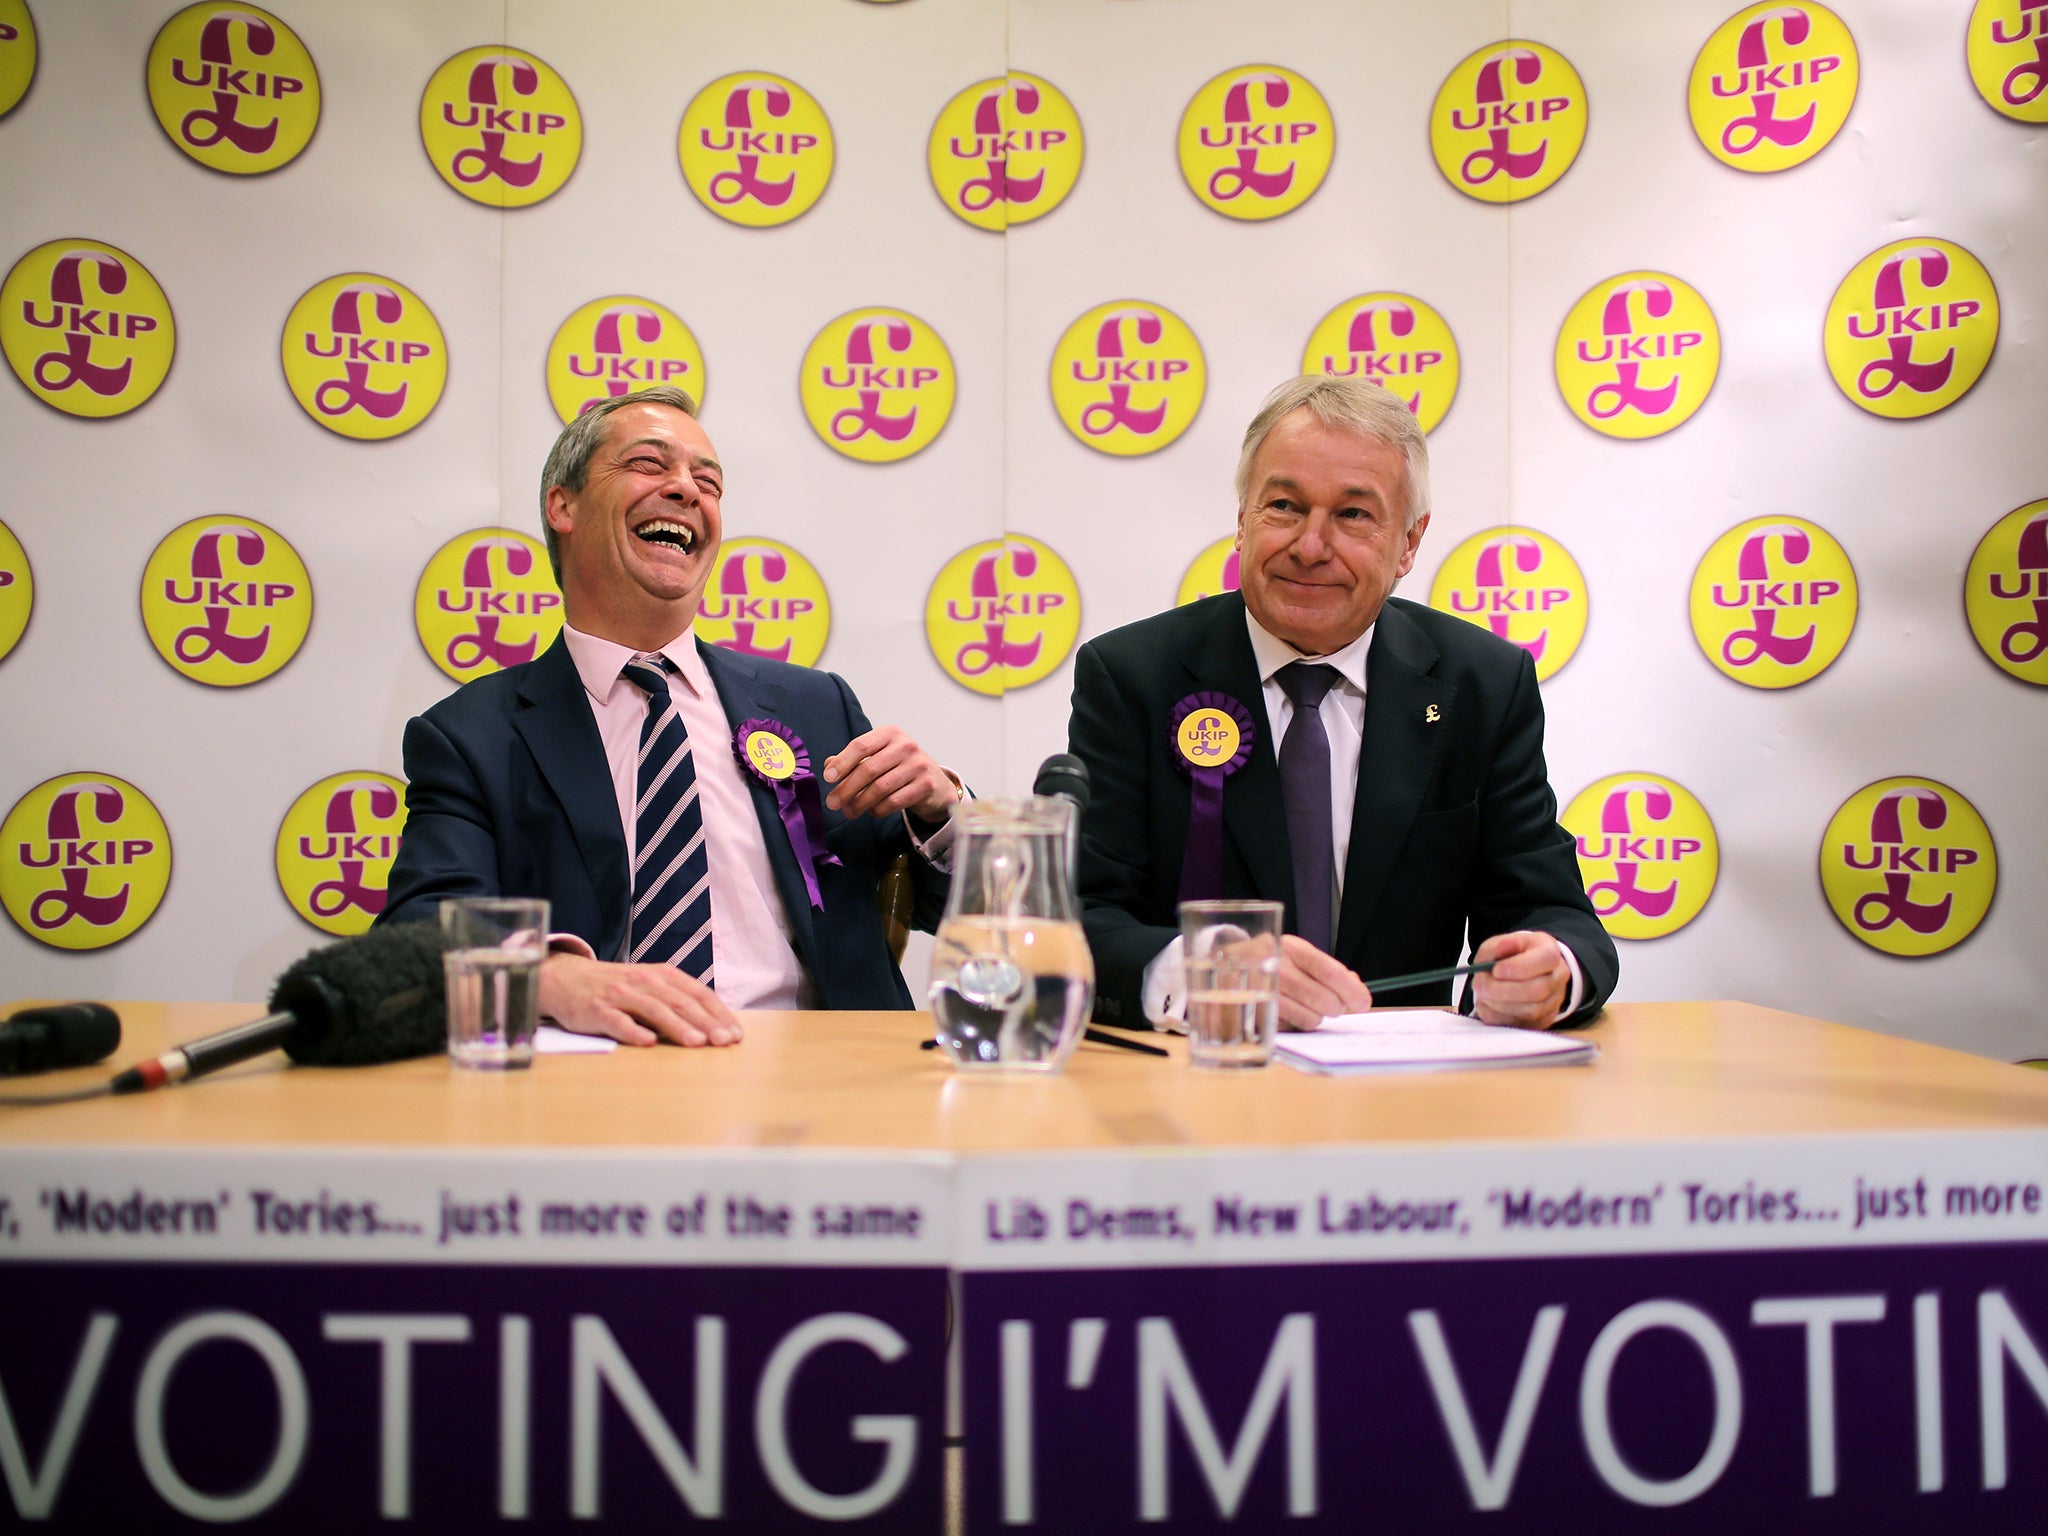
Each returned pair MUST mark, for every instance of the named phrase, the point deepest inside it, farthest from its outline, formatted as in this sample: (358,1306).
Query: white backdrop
(1921,156)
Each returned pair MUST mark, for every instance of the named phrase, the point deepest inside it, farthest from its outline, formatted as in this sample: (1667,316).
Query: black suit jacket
(1454,829)
(508,794)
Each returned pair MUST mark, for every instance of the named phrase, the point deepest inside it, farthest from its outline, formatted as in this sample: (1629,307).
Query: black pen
(1087,1034)
(1423,978)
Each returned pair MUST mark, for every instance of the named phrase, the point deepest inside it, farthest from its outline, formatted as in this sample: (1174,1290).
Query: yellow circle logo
(1774,601)
(2005,594)
(86,327)
(1005,151)
(1647,852)
(487,600)
(770,754)
(1773,86)
(501,127)
(617,345)
(1128,377)
(1256,142)
(756,148)
(226,601)
(1908,866)
(877,385)
(1508,121)
(234,88)
(335,848)
(766,600)
(364,356)
(1208,738)
(1912,328)
(84,861)
(17,53)
(17,591)
(2008,53)
(1002,614)
(1638,354)
(1522,585)
(1396,341)
(1214,571)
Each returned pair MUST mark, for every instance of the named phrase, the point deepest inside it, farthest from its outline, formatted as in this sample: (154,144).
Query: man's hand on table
(1314,987)
(633,1004)
(1528,985)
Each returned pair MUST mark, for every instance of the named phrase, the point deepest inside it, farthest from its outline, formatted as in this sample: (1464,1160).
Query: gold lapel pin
(1431,715)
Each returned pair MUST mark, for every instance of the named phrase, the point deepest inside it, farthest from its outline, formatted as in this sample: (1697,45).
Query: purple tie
(1305,791)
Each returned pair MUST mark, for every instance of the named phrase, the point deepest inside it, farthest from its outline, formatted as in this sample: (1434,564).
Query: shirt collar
(1272,653)
(599,662)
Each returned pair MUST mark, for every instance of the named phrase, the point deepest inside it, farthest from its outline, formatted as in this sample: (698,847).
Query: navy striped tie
(671,922)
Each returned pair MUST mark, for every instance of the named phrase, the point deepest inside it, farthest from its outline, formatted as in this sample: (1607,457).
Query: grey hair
(1348,405)
(568,462)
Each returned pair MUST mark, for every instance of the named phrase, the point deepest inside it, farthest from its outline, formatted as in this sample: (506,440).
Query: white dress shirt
(1164,991)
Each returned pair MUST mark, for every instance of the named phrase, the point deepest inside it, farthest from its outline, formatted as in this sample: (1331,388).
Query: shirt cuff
(1163,991)
(1577,993)
(936,848)
(570,944)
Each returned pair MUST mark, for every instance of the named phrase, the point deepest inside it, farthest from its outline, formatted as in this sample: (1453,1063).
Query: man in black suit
(1394,795)
(603,776)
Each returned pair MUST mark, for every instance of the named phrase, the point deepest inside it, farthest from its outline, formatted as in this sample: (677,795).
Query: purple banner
(317,1397)
(1876,1390)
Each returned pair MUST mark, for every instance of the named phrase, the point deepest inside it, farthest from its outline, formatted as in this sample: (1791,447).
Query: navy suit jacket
(1454,828)
(508,794)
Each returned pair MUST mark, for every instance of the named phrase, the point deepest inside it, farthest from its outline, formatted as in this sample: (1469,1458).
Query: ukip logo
(2006,593)
(1002,614)
(1773,86)
(756,148)
(615,345)
(877,385)
(335,847)
(226,601)
(364,356)
(1508,121)
(17,591)
(1911,882)
(1394,340)
(1005,151)
(86,328)
(1256,142)
(1522,585)
(234,87)
(501,127)
(1128,377)
(486,600)
(1638,355)
(1213,571)
(85,860)
(17,53)
(1911,328)
(1647,851)
(766,600)
(2008,57)
(1742,593)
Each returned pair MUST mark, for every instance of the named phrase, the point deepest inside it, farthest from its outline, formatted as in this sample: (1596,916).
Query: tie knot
(650,673)
(1307,681)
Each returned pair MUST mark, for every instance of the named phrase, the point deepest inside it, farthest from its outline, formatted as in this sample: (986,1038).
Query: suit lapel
(1398,762)
(1221,661)
(745,694)
(561,734)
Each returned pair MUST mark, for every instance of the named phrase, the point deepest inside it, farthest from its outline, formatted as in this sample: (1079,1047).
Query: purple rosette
(1210,737)
(787,772)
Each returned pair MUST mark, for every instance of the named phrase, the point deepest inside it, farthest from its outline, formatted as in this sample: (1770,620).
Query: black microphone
(378,997)
(60,1035)
(1066,776)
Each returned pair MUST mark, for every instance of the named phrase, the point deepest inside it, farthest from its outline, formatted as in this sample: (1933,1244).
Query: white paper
(553,1040)
(1399,1039)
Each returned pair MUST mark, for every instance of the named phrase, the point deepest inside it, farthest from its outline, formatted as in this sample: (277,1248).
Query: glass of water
(493,947)
(1231,950)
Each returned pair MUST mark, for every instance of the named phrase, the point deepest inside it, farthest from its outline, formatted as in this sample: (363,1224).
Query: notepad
(1424,1040)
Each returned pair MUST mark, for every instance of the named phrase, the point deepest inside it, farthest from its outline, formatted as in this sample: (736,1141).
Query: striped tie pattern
(671,922)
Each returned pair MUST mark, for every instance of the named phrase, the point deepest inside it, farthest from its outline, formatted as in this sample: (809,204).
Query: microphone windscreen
(1063,774)
(59,1035)
(377,997)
